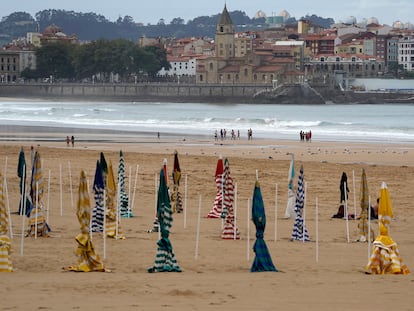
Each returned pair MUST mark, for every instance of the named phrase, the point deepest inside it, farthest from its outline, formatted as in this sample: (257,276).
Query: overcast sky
(150,11)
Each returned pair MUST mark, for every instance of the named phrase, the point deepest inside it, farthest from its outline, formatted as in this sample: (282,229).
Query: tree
(55,59)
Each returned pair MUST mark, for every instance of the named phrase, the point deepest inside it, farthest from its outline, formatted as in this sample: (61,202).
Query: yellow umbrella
(385,258)
(5,244)
(87,259)
(112,225)
(363,224)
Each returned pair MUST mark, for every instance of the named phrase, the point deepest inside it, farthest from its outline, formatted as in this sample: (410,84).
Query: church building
(262,65)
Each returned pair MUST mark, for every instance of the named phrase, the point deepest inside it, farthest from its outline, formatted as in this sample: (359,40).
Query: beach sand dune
(219,278)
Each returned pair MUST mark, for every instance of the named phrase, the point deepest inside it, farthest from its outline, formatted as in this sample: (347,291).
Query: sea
(390,123)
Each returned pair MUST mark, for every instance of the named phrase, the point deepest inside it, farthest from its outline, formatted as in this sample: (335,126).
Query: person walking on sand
(73,141)
(67,141)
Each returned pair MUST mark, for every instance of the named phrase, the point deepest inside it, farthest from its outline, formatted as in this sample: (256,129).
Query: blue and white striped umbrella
(299,230)
(98,210)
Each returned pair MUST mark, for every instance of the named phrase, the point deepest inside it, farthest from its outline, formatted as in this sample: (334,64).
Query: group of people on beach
(70,140)
(305,136)
(223,134)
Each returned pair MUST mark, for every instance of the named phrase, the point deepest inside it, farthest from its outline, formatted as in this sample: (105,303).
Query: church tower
(225,36)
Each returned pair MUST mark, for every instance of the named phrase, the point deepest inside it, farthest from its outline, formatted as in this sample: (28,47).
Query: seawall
(212,93)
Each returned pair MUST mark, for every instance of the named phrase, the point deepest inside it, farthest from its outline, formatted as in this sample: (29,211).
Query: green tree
(55,59)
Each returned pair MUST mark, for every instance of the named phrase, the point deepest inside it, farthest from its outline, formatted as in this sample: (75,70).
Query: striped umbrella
(37,186)
(87,259)
(176,199)
(165,259)
(217,206)
(98,210)
(262,261)
(112,225)
(290,208)
(5,243)
(123,196)
(230,230)
(299,230)
(385,258)
(364,203)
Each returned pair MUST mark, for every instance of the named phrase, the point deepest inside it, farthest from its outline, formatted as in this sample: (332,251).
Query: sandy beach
(219,277)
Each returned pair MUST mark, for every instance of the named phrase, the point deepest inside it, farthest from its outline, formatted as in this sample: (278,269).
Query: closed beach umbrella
(262,261)
(364,203)
(87,259)
(343,187)
(98,210)
(112,225)
(123,196)
(165,259)
(299,230)
(290,208)
(230,230)
(37,186)
(21,173)
(104,167)
(176,200)
(385,258)
(218,177)
(5,243)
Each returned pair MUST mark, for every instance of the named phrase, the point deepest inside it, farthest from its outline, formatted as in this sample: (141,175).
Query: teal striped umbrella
(262,261)
(165,259)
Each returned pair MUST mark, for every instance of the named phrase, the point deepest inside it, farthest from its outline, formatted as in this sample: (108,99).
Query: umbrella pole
(346,213)
(235,213)
(135,187)
(304,213)
(117,212)
(8,205)
(129,191)
(60,188)
(48,199)
(369,227)
(276,198)
(198,227)
(104,225)
(70,184)
(185,202)
(23,218)
(353,181)
(36,207)
(317,230)
(248,230)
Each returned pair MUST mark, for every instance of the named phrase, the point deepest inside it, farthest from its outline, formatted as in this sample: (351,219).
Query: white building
(406,53)
(180,66)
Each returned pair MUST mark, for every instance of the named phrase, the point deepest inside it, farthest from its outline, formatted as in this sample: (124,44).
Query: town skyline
(385,11)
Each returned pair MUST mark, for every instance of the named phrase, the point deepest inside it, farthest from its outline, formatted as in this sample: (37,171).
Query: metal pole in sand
(60,188)
(185,202)
(248,230)
(70,184)
(317,230)
(198,227)
(276,199)
(48,199)
(135,187)
(346,213)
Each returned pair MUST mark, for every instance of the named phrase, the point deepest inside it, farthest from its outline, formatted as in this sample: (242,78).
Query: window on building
(211,66)
(201,78)
(237,77)
(221,29)
(264,77)
(229,77)
(255,77)
(246,73)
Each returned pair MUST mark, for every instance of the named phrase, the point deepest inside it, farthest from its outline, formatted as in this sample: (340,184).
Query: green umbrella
(165,260)
(262,261)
